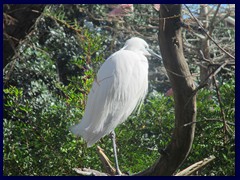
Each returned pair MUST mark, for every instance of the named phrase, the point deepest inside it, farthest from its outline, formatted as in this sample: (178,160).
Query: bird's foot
(118,172)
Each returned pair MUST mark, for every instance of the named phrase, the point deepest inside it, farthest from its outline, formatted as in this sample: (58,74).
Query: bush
(44,146)
(210,138)
(40,105)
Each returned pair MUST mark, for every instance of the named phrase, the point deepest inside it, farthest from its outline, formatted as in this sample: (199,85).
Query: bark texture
(171,47)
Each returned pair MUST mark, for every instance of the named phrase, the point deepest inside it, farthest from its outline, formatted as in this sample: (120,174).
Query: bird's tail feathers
(76,130)
(90,137)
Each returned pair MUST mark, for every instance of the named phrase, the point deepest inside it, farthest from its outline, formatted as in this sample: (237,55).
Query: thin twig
(176,74)
(211,25)
(208,120)
(16,53)
(105,161)
(200,25)
(225,126)
(220,120)
(224,17)
(204,58)
(210,76)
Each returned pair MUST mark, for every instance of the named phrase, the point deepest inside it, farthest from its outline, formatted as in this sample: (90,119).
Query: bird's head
(139,45)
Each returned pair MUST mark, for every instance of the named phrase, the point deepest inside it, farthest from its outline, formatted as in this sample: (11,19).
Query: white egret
(120,86)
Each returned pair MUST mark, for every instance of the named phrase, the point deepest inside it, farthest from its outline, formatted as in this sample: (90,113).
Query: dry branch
(89,172)
(210,37)
(107,164)
(210,76)
(195,167)
(225,126)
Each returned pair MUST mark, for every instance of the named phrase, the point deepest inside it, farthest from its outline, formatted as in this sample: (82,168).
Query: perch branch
(110,170)
(89,172)
(105,161)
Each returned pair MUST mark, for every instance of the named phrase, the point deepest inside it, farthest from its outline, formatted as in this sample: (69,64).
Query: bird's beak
(155,54)
(146,53)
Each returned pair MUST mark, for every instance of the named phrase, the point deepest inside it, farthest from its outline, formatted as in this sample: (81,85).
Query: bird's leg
(113,137)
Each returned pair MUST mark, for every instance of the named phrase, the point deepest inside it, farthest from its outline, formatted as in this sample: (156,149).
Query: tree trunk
(204,69)
(170,41)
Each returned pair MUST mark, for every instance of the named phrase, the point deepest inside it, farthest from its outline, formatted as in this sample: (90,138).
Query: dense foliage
(45,90)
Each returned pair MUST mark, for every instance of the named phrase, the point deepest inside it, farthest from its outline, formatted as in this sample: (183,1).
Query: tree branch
(200,25)
(195,167)
(171,46)
(89,172)
(225,126)
(106,162)
(110,170)
(211,25)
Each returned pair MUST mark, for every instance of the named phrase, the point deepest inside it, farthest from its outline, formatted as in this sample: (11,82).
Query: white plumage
(120,86)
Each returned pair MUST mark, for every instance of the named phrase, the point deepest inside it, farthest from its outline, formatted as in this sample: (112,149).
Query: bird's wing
(121,84)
